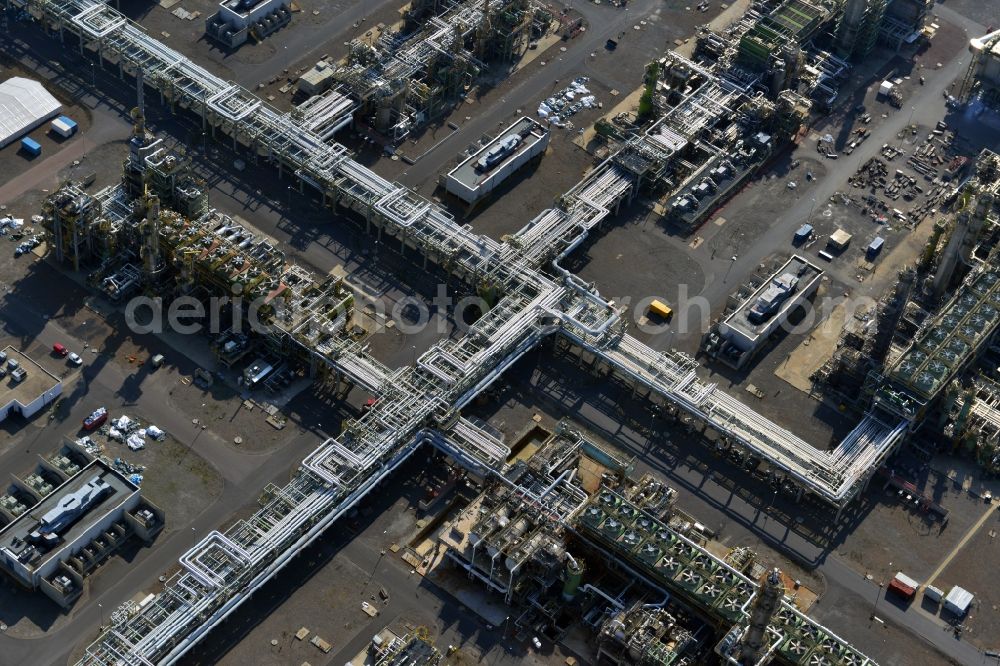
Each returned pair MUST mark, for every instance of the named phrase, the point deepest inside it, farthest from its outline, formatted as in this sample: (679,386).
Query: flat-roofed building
(317,78)
(57,542)
(745,331)
(482,172)
(26,387)
(240,20)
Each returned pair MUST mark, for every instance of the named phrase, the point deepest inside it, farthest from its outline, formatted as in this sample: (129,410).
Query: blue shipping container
(31,146)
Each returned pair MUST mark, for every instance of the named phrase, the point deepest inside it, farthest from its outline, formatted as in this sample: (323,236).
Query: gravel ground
(973,568)
(336,48)
(62,300)
(817,423)
(324,589)
(176,478)
(886,643)
(892,537)
(103,161)
(634,258)
(221,408)
(981,11)
(188,36)
(528,192)
(28,614)
(862,87)
(750,213)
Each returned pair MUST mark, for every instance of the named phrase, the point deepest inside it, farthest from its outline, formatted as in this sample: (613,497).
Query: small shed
(885,88)
(803,233)
(958,601)
(31,146)
(839,240)
(874,247)
(317,79)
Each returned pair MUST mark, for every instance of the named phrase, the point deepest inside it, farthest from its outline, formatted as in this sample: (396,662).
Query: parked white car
(74,358)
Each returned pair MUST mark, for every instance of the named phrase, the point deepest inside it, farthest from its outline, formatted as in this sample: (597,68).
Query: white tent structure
(24,105)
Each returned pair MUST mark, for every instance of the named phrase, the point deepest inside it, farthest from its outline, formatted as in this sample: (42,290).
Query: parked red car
(59,349)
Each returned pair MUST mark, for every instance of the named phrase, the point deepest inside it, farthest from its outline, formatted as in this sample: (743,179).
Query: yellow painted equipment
(660,309)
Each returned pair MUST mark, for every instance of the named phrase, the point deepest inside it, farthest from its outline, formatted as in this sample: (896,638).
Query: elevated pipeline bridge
(420,403)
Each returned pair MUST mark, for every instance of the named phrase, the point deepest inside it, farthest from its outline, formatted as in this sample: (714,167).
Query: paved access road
(604,21)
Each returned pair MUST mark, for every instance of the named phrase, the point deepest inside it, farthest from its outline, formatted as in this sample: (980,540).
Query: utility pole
(878,593)
(731,262)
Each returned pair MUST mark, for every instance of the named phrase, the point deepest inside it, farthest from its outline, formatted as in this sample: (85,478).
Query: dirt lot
(103,161)
(252,63)
(893,537)
(818,423)
(632,258)
(974,568)
(528,192)
(886,643)
(334,47)
(32,283)
(222,409)
(176,478)
(984,13)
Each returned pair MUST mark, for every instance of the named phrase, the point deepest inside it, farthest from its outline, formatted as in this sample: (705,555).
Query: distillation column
(765,604)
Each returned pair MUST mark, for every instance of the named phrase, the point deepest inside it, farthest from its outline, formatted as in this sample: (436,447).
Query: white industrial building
(26,396)
(240,20)
(746,330)
(56,543)
(958,601)
(317,79)
(24,105)
(32,546)
(483,171)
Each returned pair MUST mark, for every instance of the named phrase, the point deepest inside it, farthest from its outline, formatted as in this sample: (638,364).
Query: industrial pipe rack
(223,570)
